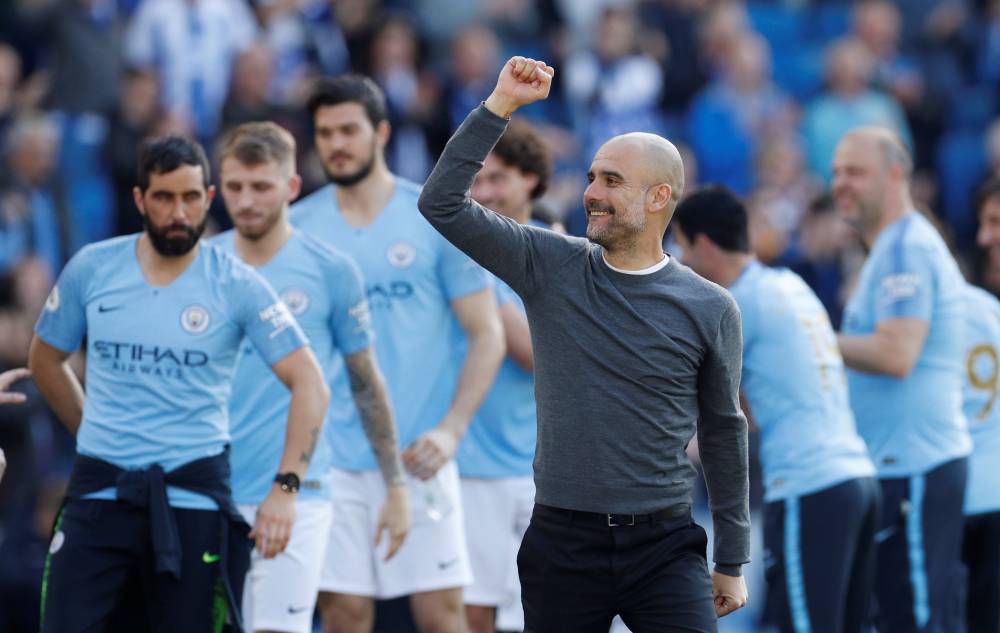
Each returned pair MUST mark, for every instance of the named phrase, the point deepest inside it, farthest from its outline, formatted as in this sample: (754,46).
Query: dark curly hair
(521,146)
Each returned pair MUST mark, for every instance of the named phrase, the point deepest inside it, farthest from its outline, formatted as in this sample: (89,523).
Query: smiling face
(614,199)
(174,208)
(257,196)
(504,188)
(860,180)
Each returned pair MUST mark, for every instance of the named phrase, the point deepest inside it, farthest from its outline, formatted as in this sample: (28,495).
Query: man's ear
(660,197)
(137,199)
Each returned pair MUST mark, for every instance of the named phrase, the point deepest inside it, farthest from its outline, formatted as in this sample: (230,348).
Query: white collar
(645,271)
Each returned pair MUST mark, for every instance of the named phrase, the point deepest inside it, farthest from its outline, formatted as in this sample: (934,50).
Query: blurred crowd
(755,93)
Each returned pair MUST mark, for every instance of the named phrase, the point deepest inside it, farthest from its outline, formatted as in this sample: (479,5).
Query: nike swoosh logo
(882,535)
(208,559)
(293,610)
(102,308)
(448,563)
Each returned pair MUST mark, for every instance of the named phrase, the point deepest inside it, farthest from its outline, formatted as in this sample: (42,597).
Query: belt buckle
(621,520)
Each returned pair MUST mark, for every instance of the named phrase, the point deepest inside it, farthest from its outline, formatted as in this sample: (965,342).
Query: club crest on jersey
(195,319)
(402,254)
(296,300)
(52,302)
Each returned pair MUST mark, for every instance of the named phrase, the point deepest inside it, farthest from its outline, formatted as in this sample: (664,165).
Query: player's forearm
(310,398)
(486,350)
(58,384)
(873,354)
(517,336)
(372,400)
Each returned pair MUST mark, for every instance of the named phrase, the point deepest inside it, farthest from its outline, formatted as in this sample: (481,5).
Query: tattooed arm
(372,399)
(300,372)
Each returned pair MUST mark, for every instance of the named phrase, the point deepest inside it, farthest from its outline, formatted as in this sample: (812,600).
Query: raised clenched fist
(522,81)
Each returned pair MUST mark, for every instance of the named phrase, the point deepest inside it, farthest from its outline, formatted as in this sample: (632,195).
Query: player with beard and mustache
(902,340)
(149,504)
(324,291)
(439,340)
(632,353)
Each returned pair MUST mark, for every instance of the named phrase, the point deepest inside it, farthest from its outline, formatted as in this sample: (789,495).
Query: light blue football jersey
(501,439)
(794,381)
(160,361)
(323,290)
(411,275)
(914,424)
(980,388)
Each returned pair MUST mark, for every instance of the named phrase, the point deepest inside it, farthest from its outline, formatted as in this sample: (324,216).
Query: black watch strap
(289,482)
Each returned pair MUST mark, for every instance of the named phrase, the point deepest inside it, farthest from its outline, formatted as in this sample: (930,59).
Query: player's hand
(3,464)
(394,518)
(729,593)
(273,526)
(522,81)
(8,378)
(430,452)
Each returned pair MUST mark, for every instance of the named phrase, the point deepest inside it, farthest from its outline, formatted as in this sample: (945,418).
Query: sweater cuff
(729,570)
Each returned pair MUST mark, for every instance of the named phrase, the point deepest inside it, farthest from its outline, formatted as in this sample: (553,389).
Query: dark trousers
(820,558)
(577,575)
(981,554)
(919,585)
(100,576)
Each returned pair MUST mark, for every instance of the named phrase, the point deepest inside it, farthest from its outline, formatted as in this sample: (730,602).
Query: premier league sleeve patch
(279,316)
(52,302)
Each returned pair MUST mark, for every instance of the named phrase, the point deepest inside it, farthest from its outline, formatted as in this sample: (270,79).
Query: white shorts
(280,593)
(497,513)
(433,556)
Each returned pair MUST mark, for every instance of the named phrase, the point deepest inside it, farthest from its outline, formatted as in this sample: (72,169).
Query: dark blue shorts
(920,582)
(100,575)
(820,558)
(981,553)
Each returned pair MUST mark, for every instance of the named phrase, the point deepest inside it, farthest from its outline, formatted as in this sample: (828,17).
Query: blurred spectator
(684,71)
(10,76)
(819,254)
(304,41)
(475,57)
(730,118)
(192,45)
(420,128)
(615,88)
(921,84)
(785,190)
(134,119)
(721,29)
(80,42)
(33,217)
(847,103)
(987,60)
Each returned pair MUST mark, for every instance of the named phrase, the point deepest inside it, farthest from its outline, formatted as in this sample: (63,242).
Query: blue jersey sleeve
(264,318)
(903,286)
(505,294)
(63,321)
(350,318)
(459,274)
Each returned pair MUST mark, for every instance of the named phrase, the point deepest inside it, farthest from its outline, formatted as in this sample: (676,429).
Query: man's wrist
(500,106)
(730,570)
(288,482)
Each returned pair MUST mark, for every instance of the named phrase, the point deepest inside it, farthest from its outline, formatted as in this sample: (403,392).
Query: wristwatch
(289,482)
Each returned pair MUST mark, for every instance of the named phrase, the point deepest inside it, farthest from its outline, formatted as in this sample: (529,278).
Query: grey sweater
(626,366)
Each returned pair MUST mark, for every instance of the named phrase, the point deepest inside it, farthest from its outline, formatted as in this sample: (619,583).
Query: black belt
(599,519)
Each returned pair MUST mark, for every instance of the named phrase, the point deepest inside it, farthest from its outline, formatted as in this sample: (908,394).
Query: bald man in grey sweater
(633,353)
